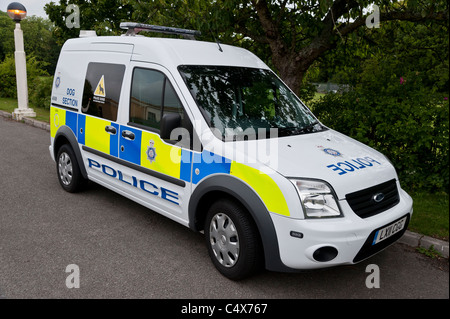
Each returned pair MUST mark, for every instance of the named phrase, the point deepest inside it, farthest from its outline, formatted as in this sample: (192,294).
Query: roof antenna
(218,43)
(217,40)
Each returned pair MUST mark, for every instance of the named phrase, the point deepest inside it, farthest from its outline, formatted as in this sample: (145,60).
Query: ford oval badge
(378,197)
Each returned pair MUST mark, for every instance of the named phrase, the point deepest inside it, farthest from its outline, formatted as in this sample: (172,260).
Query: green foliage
(103,16)
(6,35)
(8,86)
(399,116)
(430,252)
(422,47)
(41,92)
(307,92)
(40,43)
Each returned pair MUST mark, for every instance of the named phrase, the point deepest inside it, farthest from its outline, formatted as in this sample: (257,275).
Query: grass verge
(8,105)
(431,215)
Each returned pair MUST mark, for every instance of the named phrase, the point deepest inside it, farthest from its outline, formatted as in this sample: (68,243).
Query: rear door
(98,130)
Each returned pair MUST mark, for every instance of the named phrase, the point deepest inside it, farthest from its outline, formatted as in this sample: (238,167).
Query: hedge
(402,119)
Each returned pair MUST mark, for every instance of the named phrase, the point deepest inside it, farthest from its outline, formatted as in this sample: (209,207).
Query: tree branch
(269,26)
(326,39)
(246,32)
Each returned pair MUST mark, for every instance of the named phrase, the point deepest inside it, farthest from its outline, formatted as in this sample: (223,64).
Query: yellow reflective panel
(264,186)
(159,156)
(96,137)
(57,119)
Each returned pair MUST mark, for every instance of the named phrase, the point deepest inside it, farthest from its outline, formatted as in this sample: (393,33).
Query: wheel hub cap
(65,169)
(224,240)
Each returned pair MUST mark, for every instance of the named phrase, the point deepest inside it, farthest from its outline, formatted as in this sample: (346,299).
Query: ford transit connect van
(208,136)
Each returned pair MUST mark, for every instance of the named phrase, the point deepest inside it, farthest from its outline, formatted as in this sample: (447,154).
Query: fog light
(324,254)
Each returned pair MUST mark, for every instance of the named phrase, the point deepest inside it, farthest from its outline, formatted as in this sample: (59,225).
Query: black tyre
(68,171)
(232,239)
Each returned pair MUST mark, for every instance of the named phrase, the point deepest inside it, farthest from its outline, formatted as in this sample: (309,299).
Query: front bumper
(346,240)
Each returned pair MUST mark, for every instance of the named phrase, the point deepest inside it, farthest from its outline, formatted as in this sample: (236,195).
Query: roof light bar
(134,28)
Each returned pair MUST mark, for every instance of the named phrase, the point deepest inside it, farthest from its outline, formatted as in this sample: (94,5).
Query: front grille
(364,204)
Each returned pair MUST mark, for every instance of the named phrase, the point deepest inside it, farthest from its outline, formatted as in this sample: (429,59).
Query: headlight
(318,199)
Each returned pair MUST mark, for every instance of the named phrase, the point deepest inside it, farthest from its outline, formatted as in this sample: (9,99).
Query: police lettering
(146,186)
(353,165)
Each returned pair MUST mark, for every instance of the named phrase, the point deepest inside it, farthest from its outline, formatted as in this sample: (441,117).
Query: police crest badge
(151,152)
(332,152)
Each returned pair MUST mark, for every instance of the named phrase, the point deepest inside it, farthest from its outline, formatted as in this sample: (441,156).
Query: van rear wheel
(68,171)
(232,240)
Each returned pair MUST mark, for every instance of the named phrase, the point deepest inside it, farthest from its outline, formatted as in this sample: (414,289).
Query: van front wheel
(232,240)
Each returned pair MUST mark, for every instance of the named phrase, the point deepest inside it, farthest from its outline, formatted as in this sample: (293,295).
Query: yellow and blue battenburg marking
(170,160)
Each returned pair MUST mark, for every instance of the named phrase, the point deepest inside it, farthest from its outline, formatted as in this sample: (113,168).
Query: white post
(21,77)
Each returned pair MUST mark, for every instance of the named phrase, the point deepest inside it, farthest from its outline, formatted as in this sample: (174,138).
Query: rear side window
(102,89)
(152,96)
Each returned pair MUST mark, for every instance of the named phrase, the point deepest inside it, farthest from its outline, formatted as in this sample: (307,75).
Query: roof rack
(134,28)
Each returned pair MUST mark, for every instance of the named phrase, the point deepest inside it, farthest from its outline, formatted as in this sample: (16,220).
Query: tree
(289,35)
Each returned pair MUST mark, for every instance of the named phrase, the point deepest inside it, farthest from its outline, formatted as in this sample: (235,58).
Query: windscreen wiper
(308,128)
(287,131)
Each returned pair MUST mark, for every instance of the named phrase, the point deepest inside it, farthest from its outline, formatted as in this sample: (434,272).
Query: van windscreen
(238,102)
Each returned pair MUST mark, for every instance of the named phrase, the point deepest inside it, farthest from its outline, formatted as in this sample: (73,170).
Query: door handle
(111,130)
(128,135)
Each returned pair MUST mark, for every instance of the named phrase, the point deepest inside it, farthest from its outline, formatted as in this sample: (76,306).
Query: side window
(146,98)
(171,102)
(152,96)
(102,88)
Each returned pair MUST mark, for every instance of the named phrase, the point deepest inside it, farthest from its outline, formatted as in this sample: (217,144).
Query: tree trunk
(291,72)
(291,64)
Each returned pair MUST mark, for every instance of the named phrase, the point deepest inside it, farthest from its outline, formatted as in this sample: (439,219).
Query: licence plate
(388,231)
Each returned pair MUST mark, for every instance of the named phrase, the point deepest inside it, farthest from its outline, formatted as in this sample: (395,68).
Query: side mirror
(169,122)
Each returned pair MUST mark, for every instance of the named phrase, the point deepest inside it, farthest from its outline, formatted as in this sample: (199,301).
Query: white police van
(207,135)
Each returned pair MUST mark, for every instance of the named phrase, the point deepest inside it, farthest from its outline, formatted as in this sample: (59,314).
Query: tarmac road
(123,250)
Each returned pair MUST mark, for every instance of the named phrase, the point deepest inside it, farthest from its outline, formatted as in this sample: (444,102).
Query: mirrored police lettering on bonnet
(168,123)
